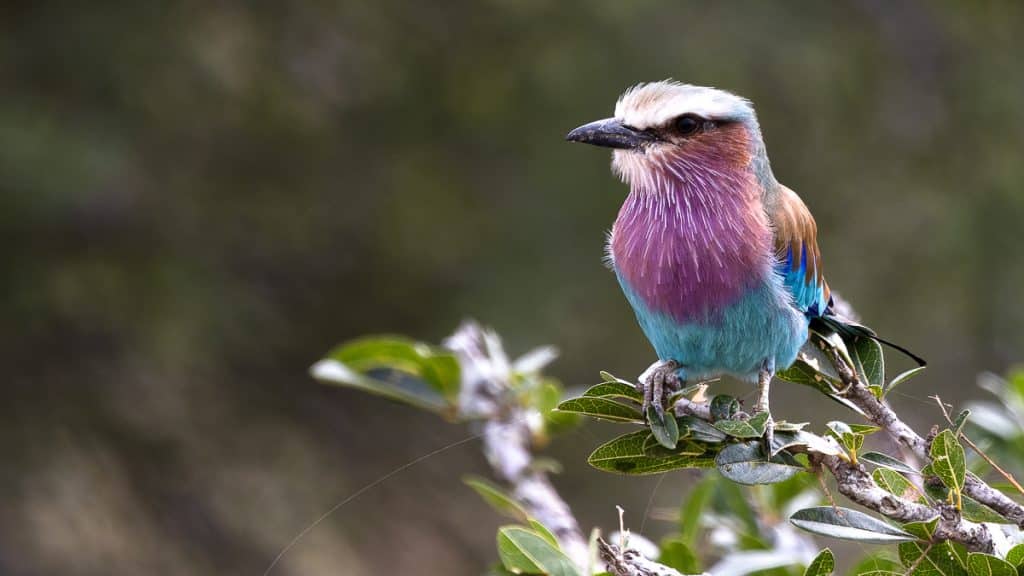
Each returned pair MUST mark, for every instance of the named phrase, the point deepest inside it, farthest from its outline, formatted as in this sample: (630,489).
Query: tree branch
(857,485)
(879,413)
(629,562)
(486,395)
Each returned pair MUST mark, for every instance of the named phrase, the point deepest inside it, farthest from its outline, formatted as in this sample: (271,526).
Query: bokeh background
(200,198)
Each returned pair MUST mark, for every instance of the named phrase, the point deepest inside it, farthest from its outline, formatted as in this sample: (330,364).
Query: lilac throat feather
(693,236)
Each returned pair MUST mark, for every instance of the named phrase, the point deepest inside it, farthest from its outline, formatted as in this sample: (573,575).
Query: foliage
(771,486)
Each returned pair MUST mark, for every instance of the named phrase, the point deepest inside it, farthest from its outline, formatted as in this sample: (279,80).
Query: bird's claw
(769,435)
(764,379)
(657,382)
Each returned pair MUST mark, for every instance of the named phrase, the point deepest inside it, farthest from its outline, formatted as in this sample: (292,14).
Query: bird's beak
(610,133)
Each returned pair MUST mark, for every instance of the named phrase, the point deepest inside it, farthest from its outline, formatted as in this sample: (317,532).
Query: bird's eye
(688,124)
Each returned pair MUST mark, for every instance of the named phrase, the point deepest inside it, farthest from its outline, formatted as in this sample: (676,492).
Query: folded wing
(796,249)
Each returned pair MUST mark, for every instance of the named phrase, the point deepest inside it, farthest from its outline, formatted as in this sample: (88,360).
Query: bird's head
(663,128)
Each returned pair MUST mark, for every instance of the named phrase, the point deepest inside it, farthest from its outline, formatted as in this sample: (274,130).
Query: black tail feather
(849,328)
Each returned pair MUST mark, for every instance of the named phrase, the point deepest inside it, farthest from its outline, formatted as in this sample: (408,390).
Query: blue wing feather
(809,294)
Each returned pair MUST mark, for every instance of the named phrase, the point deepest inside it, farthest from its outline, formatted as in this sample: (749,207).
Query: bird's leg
(653,382)
(764,380)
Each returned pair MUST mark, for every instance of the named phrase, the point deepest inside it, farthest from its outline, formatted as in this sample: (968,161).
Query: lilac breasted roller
(719,260)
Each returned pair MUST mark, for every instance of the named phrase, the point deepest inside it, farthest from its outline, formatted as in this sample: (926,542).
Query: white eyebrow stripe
(654,104)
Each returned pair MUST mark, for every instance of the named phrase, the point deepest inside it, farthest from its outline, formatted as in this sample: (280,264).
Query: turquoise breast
(762,325)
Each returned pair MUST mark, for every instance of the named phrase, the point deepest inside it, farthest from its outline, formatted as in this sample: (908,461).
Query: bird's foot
(764,380)
(657,383)
(769,435)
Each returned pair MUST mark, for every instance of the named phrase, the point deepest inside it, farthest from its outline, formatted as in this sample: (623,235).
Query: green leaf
(638,453)
(615,389)
(545,398)
(498,570)
(700,430)
(731,499)
(439,368)
(948,462)
(894,483)
(676,554)
(972,509)
(878,564)
(960,422)
(801,372)
(869,361)
(813,369)
(822,565)
(543,531)
(822,336)
(747,463)
(811,441)
(739,428)
(693,509)
(601,408)
(392,384)
(886,461)
(609,377)
(524,551)
(724,407)
(984,565)
(664,428)
(846,435)
(1015,555)
(903,377)
(977,512)
(783,426)
(942,559)
(846,524)
(497,498)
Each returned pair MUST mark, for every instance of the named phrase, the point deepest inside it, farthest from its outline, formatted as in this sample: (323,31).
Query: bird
(719,260)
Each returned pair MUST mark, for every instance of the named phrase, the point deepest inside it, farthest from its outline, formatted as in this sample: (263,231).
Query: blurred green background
(200,198)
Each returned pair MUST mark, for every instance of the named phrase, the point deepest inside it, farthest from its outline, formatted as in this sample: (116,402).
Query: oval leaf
(497,498)
(985,565)
(903,377)
(867,355)
(940,559)
(948,462)
(664,428)
(676,554)
(737,428)
(638,453)
(392,384)
(822,565)
(1016,555)
(894,483)
(747,463)
(615,389)
(812,442)
(523,551)
(885,461)
(601,408)
(724,407)
(700,430)
(437,367)
(847,524)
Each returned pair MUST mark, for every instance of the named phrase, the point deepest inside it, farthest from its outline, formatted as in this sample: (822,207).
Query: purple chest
(690,249)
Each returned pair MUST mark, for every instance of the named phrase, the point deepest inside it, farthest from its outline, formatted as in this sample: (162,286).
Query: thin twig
(920,558)
(1009,477)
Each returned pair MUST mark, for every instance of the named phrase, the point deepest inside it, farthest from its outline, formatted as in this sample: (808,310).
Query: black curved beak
(610,133)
